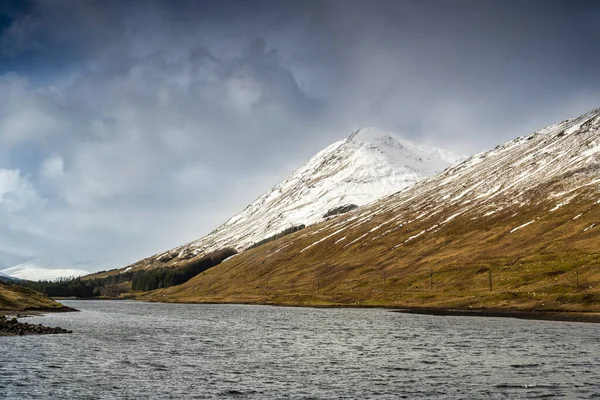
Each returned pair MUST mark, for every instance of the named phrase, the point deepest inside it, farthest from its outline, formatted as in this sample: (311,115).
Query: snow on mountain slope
(366,166)
(558,164)
(51,268)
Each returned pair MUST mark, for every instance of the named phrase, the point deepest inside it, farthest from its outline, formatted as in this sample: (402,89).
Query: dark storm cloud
(130,127)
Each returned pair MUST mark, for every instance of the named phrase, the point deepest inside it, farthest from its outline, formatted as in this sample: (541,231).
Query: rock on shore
(10,327)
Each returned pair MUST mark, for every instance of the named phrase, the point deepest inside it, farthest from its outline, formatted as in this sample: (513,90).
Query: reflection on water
(139,350)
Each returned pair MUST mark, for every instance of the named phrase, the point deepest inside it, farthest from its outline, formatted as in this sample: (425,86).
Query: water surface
(135,350)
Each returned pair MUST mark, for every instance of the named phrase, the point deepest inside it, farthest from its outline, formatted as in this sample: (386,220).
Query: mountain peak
(366,166)
(370,135)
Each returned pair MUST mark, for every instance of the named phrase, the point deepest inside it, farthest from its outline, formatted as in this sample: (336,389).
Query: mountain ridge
(355,171)
(515,226)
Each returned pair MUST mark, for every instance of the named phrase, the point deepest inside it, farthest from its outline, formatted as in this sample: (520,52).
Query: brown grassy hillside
(16,298)
(552,264)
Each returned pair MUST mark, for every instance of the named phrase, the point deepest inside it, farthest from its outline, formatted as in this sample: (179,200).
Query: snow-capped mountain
(525,215)
(543,172)
(366,166)
(51,268)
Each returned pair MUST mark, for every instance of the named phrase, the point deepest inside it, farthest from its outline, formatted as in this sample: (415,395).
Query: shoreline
(35,311)
(10,326)
(561,316)
(540,315)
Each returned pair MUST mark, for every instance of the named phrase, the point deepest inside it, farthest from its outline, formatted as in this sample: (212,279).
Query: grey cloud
(141,125)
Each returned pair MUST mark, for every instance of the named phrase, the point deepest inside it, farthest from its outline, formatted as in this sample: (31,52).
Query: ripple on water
(533,365)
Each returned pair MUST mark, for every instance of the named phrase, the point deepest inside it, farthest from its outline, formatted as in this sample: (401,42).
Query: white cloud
(53,167)
(17,193)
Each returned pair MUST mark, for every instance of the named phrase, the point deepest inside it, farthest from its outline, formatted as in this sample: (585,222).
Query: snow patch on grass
(522,226)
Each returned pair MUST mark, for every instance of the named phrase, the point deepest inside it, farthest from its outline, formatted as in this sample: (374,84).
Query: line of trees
(143,280)
(76,287)
(340,210)
(163,277)
(277,236)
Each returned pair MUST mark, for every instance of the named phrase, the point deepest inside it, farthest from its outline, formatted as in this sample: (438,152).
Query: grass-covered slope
(515,227)
(17,298)
(141,276)
(552,264)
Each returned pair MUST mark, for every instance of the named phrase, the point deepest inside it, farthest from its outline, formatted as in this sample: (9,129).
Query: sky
(131,127)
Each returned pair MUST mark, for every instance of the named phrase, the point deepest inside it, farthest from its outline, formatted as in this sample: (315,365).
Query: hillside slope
(16,298)
(514,227)
(366,166)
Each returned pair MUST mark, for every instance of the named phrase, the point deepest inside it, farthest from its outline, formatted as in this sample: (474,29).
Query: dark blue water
(134,350)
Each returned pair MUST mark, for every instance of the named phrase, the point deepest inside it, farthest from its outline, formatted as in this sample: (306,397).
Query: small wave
(401,369)
(524,365)
(158,366)
(524,386)
(234,392)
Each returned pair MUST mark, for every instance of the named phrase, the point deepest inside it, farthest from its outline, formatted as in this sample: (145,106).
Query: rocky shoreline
(12,327)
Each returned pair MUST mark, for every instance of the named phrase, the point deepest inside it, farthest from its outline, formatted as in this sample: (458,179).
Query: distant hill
(6,278)
(51,268)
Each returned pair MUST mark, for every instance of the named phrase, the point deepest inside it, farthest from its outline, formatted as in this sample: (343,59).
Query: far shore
(535,315)
(544,315)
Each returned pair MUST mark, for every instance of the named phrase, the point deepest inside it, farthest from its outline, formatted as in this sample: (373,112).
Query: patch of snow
(415,236)
(320,240)
(375,228)
(450,218)
(559,205)
(522,226)
(276,251)
(356,240)
(590,227)
(340,240)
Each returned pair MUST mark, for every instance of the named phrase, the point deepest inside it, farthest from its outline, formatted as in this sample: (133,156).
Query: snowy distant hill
(366,166)
(51,268)
(6,278)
